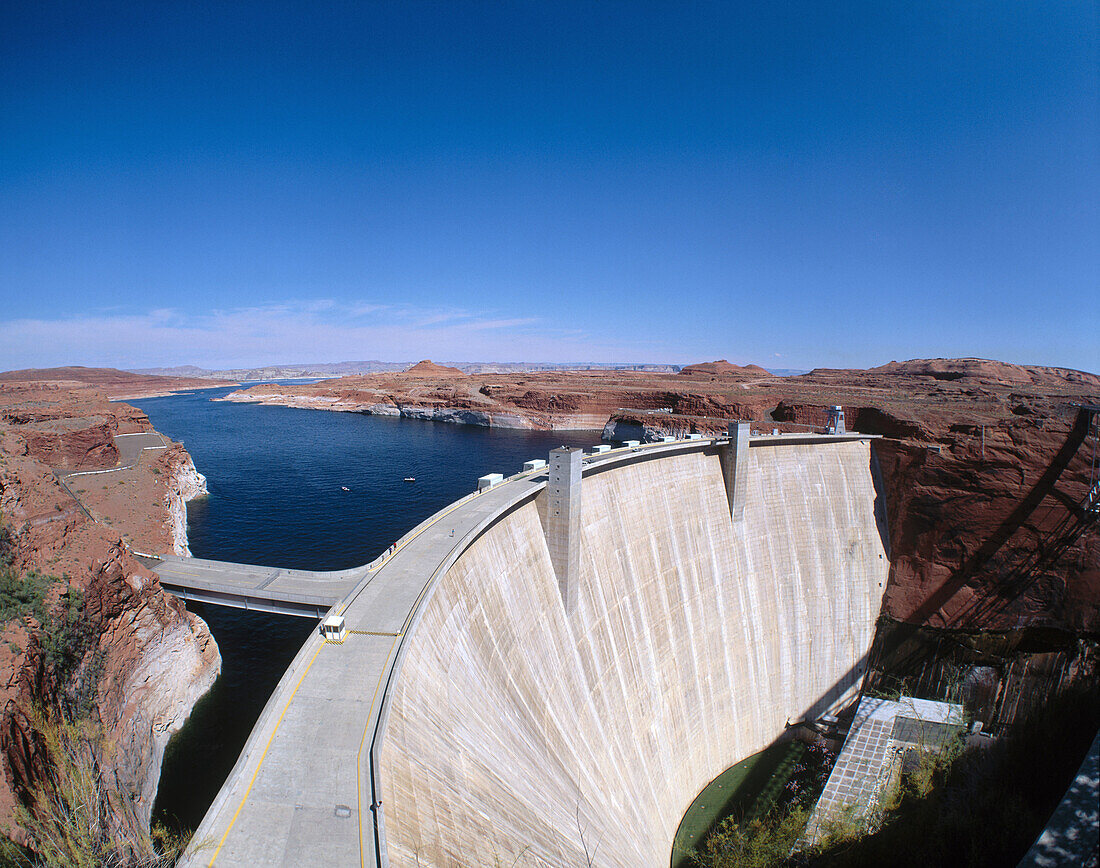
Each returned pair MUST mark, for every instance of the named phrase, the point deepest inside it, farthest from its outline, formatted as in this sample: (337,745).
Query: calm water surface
(275,476)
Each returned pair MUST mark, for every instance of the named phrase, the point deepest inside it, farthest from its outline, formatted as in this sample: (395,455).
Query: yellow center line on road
(374,698)
(263,756)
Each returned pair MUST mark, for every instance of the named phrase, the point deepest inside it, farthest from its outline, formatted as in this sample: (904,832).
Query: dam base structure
(480,709)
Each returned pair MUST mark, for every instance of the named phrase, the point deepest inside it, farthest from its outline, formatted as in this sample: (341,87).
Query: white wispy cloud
(298,331)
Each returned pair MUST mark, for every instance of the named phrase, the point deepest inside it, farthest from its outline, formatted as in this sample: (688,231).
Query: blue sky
(790,184)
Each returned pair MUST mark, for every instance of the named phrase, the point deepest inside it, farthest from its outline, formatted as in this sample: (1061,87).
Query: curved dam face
(518,729)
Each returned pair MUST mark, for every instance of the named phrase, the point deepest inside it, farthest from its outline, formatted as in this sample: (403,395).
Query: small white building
(489,480)
(600,448)
(533,464)
(333,629)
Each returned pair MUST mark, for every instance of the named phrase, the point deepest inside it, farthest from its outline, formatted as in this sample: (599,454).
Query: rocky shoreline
(144,660)
(428,413)
(972,457)
(186,484)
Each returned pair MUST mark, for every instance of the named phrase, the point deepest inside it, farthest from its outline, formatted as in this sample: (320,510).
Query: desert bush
(762,842)
(66,633)
(68,817)
(982,808)
(7,545)
(22,595)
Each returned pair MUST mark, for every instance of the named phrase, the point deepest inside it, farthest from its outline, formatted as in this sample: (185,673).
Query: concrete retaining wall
(518,730)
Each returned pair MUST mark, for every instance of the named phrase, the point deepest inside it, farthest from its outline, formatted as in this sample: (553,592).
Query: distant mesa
(722,368)
(328,370)
(113,382)
(987,369)
(428,368)
(70,374)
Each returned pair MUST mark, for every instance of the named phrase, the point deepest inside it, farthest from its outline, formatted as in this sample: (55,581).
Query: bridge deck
(307,593)
(303,789)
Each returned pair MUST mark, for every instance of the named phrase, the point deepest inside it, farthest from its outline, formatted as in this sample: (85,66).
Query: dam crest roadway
(699,575)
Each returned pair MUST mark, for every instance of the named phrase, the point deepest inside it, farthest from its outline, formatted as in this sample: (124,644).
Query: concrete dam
(557,665)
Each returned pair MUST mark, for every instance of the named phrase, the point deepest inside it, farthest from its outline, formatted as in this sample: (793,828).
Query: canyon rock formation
(109,381)
(985,462)
(143,659)
(986,469)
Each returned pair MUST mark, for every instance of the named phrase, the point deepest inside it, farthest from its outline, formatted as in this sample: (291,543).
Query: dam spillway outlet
(713,598)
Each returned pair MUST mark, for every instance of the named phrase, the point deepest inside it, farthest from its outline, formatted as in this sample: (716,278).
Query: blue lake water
(276,477)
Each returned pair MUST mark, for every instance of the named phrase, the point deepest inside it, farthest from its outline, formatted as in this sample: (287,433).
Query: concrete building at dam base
(563,659)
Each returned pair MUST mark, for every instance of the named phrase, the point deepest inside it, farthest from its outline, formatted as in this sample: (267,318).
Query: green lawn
(746,789)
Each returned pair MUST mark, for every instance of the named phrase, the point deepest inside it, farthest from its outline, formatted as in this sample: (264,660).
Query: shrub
(763,842)
(7,546)
(69,816)
(66,634)
(22,595)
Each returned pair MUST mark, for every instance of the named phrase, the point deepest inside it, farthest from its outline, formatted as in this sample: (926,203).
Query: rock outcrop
(143,659)
(544,400)
(185,484)
(428,368)
(998,373)
(108,381)
(722,368)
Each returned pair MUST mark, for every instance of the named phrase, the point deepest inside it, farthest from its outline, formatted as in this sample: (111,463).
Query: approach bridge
(306,593)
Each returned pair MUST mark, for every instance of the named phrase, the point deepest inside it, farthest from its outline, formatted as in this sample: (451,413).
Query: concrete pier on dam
(558,664)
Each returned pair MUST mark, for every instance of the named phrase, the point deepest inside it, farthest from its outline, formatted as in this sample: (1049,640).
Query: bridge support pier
(563,521)
(733,463)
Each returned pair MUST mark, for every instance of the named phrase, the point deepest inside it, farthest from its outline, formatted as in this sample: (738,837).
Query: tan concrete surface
(515,730)
(511,728)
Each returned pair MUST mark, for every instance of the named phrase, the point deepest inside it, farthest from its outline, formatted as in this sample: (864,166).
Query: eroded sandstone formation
(541,400)
(142,659)
(985,463)
(107,381)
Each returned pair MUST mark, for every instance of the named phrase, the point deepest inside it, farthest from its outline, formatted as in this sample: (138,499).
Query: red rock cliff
(147,659)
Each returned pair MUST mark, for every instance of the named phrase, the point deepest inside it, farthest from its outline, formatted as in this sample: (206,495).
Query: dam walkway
(306,787)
